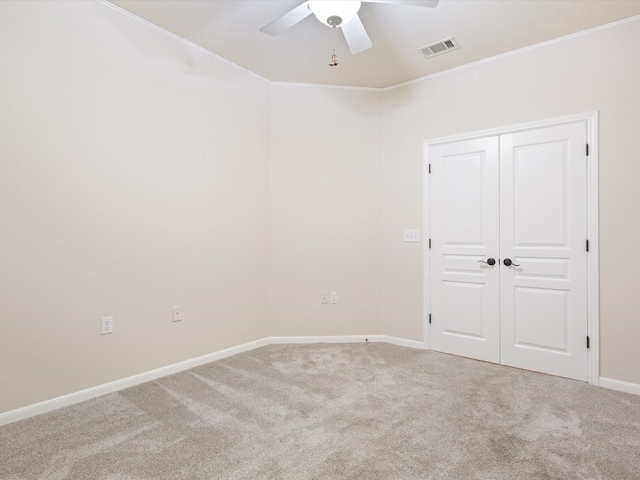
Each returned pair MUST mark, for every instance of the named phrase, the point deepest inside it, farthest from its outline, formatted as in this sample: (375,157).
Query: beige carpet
(358,411)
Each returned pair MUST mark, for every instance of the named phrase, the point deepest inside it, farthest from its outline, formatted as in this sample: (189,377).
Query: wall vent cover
(438,48)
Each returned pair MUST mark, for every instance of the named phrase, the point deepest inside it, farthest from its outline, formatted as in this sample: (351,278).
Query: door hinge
(429,168)
(587,149)
(429,243)
(587,341)
(429,319)
(587,245)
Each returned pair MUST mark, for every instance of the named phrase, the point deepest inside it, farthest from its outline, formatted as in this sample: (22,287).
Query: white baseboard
(310,339)
(402,342)
(619,385)
(83,395)
(347,339)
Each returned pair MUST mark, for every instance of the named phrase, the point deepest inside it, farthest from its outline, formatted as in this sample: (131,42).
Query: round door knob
(508,263)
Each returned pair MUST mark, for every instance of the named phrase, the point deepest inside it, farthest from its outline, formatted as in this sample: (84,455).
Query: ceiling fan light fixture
(334,13)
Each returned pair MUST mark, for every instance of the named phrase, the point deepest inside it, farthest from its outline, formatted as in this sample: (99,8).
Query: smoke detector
(438,48)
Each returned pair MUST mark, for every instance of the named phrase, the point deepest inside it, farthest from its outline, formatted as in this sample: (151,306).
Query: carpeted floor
(356,411)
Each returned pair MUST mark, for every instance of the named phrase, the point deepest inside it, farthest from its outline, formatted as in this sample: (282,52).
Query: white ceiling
(483,28)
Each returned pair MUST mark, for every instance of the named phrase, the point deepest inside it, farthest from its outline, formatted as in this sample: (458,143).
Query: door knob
(490,261)
(508,263)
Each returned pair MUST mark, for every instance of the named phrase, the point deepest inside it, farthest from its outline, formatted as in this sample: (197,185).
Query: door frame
(593,290)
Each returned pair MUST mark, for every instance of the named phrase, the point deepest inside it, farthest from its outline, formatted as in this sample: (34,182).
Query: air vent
(438,48)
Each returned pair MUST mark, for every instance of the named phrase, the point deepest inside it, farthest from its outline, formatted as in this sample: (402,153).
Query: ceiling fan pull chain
(334,60)
(334,57)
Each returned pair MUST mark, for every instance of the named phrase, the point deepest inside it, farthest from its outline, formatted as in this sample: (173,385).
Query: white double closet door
(521,200)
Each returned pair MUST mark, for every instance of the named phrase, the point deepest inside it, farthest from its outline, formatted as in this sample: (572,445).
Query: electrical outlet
(324,297)
(107,325)
(177,314)
(334,297)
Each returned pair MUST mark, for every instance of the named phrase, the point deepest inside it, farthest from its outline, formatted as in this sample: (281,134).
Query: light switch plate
(411,235)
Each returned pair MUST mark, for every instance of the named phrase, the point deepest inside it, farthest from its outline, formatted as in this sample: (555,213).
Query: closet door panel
(464,225)
(543,227)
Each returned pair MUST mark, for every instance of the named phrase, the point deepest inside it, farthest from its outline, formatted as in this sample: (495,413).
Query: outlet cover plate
(107,325)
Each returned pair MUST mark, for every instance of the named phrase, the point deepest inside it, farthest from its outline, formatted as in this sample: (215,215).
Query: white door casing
(528,189)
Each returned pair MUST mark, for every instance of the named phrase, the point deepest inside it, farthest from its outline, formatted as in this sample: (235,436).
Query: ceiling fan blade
(356,36)
(287,20)
(411,3)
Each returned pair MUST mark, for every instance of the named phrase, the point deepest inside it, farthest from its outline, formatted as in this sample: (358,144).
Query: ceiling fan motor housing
(340,13)
(334,13)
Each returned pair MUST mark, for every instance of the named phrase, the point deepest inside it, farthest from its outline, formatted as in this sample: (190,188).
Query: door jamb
(593,290)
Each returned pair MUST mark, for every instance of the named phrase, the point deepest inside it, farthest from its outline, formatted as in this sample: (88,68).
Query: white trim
(329,86)
(97,391)
(402,342)
(181,40)
(515,52)
(426,256)
(593,275)
(380,89)
(83,395)
(593,257)
(590,117)
(229,62)
(619,385)
(311,339)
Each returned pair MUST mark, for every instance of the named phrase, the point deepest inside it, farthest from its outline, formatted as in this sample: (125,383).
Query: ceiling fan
(342,13)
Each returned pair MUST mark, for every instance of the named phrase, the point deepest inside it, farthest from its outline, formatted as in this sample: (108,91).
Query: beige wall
(599,71)
(326,215)
(133,177)
(137,173)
